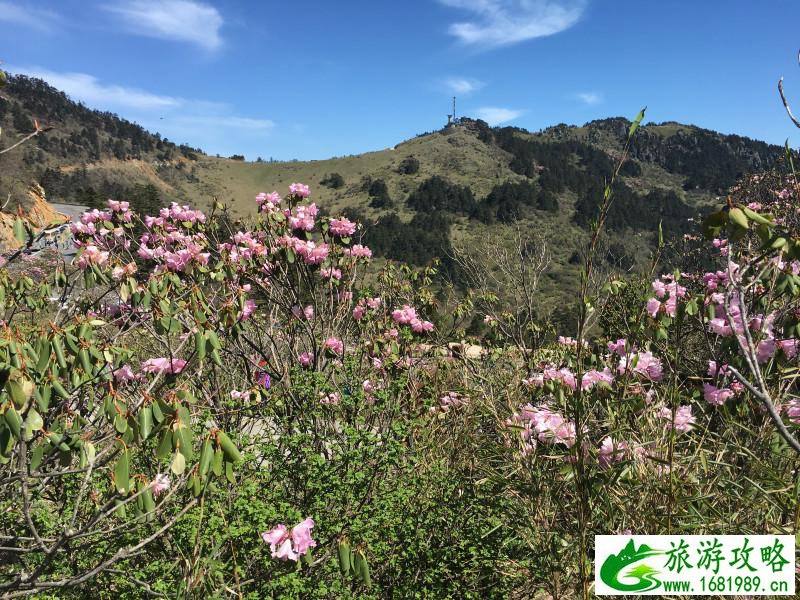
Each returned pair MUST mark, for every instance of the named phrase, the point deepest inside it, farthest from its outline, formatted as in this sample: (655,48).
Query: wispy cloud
(494,115)
(27,16)
(209,125)
(503,22)
(590,98)
(178,20)
(462,85)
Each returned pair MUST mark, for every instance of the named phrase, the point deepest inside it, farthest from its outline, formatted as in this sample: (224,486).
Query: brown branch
(786,104)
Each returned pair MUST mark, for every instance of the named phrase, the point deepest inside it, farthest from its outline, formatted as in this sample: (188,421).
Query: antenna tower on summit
(452,119)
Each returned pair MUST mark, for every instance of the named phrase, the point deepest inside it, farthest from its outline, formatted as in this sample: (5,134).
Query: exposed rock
(39,214)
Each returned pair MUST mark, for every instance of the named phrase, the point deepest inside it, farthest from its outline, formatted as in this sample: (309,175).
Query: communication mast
(452,119)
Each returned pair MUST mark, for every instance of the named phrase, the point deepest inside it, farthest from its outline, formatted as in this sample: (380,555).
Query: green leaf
(19,230)
(165,446)
(145,419)
(178,464)
(344,554)
(738,217)
(206,454)
(200,345)
(228,447)
(216,463)
(122,473)
(13,421)
(636,122)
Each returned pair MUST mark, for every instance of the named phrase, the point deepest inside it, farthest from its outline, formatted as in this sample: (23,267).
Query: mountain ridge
(458,186)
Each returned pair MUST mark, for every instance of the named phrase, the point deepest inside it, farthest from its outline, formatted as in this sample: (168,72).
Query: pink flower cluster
(543,424)
(268,203)
(363,304)
(665,287)
(684,420)
(358,251)
(611,452)
(160,484)
(300,190)
(169,242)
(792,410)
(311,252)
(342,227)
(163,365)
(449,400)
(408,316)
(334,345)
(641,363)
(302,218)
(290,545)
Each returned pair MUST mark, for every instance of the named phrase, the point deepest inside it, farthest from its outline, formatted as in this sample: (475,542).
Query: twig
(767,402)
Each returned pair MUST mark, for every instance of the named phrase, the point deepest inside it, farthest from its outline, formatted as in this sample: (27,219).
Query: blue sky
(313,79)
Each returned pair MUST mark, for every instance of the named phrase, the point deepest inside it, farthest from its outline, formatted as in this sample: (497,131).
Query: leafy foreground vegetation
(192,410)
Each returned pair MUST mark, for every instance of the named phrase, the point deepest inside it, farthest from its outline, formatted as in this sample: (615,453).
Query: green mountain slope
(467,186)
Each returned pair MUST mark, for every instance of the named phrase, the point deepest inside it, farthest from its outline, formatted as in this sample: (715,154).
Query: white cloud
(90,91)
(179,20)
(462,85)
(26,16)
(589,98)
(223,122)
(503,22)
(496,116)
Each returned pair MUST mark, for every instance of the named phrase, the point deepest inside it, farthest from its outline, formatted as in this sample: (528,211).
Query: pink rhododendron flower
(593,377)
(160,484)
(285,545)
(331,273)
(789,347)
(163,365)
(268,202)
(714,370)
(301,536)
(335,345)
(305,359)
(92,255)
(610,452)
(124,374)
(342,227)
(684,420)
(715,395)
(300,190)
(358,251)
(303,217)
(331,398)
(116,206)
(792,410)
(248,310)
(125,271)
(765,350)
(653,306)
(618,347)
(647,365)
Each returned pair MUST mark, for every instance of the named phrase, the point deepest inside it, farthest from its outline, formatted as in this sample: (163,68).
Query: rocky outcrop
(39,214)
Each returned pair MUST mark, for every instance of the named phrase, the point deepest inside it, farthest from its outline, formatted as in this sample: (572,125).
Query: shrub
(333,181)
(408,166)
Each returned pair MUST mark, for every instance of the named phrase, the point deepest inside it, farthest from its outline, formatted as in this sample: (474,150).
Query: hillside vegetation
(425,198)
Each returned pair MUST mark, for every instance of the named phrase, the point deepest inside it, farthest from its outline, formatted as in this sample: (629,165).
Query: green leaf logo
(614,566)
